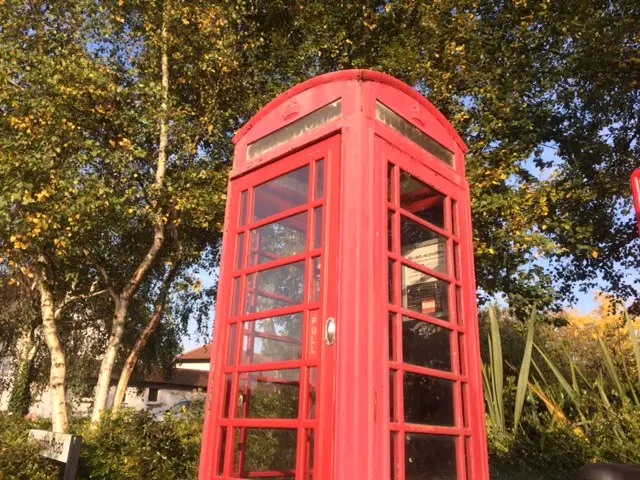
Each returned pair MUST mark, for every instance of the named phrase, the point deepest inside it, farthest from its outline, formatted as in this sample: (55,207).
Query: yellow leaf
(595,254)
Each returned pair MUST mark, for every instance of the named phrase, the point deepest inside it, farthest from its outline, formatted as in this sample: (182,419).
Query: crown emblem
(291,110)
(417,113)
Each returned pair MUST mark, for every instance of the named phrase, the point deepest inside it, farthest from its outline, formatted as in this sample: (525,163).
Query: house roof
(182,377)
(200,354)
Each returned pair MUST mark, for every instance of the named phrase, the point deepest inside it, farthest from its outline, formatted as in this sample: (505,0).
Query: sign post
(61,447)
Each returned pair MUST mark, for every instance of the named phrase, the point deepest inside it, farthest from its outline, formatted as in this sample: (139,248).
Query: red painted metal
(362,407)
(635,188)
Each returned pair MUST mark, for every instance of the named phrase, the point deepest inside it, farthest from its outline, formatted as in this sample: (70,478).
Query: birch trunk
(57,376)
(132,359)
(123,299)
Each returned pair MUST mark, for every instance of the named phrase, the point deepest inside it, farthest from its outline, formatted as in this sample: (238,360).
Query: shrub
(133,445)
(19,458)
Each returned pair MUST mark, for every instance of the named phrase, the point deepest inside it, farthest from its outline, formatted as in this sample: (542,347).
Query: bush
(133,445)
(19,458)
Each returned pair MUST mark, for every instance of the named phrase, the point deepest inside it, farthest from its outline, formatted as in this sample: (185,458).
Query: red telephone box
(346,338)
(635,189)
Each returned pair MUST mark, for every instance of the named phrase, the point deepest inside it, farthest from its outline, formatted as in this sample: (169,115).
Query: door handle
(330,331)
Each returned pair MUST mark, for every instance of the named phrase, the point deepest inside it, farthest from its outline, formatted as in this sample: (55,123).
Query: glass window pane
(236,297)
(421,200)
(425,344)
(402,126)
(274,339)
(319,180)
(425,294)
(459,311)
(392,396)
(275,288)
(392,330)
(227,396)
(231,354)
(428,400)
(317,270)
(390,183)
(243,208)
(456,260)
(310,454)
(311,406)
(269,394)
(222,447)
(430,457)
(265,450)
(240,249)
(391,284)
(393,475)
(455,218)
(422,246)
(284,238)
(282,193)
(318,228)
(390,231)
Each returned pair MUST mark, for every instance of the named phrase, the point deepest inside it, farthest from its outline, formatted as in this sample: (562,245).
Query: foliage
(132,445)
(572,415)
(19,459)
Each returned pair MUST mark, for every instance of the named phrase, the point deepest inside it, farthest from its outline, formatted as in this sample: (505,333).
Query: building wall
(135,398)
(202,366)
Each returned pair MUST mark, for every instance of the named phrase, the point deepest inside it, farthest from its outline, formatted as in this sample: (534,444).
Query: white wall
(134,398)
(202,366)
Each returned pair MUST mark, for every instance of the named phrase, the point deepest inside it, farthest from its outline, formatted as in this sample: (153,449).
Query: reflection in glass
(455,218)
(319,180)
(428,400)
(310,453)
(402,126)
(243,208)
(275,288)
(318,228)
(424,294)
(275,339)
(265,450)
(231,354)
(391,267)
(311,406)
(425,344)
(456,260)
(421,200)
(394,455)
(422,246)
(390,183)
(459,311)
(317,270)
(390,231)
(392,396)
(392,330)
(236,297)
(269,394)
(284,238)
(222,447)
(227,395)
(282,193)
(240,256)
(430,457)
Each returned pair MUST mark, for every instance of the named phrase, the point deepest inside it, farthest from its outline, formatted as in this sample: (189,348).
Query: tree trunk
(106,366)
(124,298)
(58,372)
(132,359)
